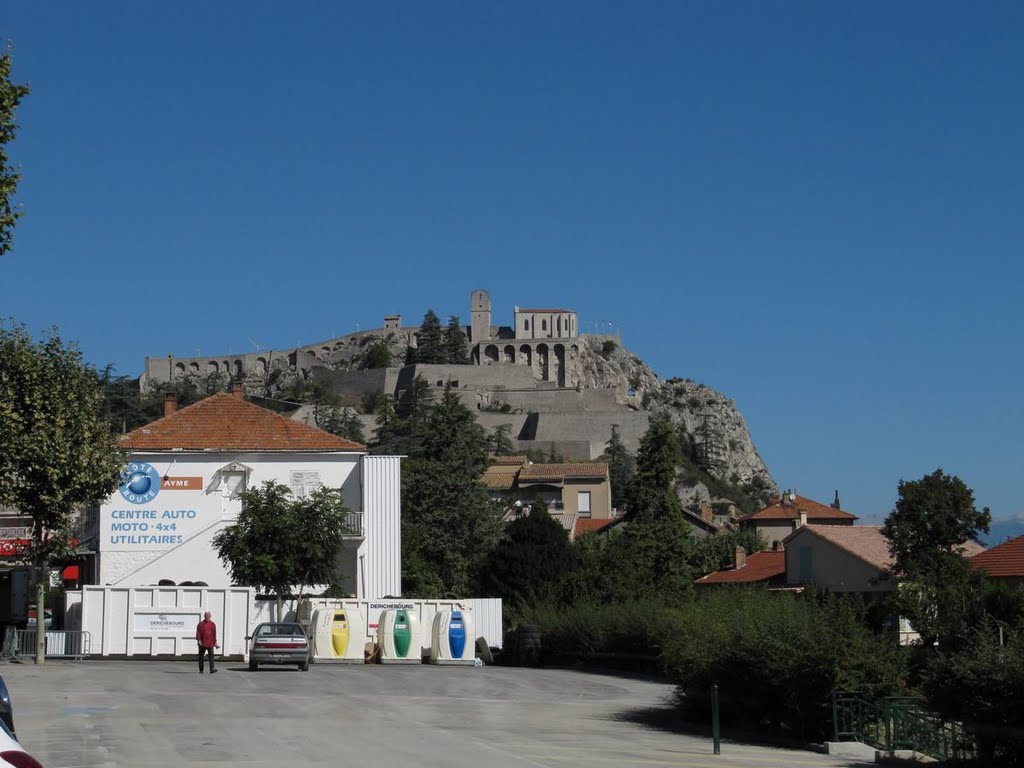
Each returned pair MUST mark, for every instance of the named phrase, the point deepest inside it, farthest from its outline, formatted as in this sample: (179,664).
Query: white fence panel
(161,621)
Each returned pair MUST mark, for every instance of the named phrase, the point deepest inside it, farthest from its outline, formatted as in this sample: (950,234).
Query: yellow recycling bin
(340,634)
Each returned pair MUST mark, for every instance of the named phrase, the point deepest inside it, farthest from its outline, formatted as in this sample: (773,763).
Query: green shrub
(776,657)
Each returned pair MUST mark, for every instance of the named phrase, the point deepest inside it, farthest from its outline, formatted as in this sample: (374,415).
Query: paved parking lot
(120,713)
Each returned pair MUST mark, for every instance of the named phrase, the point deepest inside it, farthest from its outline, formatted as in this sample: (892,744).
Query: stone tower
(480,312)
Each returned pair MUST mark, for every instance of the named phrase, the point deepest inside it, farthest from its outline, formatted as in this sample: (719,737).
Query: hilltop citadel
(556,389)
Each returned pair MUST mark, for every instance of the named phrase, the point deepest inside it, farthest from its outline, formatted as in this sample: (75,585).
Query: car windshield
(279,629)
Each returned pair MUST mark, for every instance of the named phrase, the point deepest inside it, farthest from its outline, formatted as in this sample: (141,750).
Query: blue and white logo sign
(140,483)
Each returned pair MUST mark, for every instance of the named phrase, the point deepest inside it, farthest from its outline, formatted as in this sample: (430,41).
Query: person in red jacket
(206,636)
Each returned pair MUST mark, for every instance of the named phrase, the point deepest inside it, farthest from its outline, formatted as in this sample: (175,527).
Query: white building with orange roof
(185,476)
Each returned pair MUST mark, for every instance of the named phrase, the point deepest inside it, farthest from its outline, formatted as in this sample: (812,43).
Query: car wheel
(304,667)
(253,666)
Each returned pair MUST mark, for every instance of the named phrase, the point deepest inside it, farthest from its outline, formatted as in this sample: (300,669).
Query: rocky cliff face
(720,455)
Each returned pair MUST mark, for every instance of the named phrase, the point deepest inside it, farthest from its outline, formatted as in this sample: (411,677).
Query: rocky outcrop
(715,434)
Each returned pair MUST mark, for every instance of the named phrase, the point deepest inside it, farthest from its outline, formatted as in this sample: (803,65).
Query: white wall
(161,621)
(185,520)
(380,557)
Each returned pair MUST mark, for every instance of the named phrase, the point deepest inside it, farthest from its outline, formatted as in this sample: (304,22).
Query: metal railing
(354,524)
(897,723)
(59,643)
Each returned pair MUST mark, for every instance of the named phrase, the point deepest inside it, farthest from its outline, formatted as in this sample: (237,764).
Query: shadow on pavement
(667,718)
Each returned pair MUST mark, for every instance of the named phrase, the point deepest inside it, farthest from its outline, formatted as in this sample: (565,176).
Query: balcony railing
(354,524)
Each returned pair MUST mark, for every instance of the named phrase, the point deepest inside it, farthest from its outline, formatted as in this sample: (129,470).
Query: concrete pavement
(144,713)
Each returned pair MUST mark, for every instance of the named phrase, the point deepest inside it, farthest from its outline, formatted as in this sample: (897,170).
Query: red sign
(12,547)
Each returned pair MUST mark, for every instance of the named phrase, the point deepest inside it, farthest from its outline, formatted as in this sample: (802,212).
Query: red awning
(12,547)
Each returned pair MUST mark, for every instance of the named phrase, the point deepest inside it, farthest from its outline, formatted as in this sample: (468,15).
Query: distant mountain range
(1001,530)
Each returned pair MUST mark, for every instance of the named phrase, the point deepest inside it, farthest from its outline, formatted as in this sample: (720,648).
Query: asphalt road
(145,713)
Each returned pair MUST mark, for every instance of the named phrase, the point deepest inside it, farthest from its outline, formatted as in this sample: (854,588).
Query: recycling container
(398,634)
(452,640)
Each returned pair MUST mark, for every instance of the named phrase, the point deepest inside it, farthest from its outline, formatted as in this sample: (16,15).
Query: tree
(932,520)
(652,492)
(377,355)
(278,541)
(11,95)
(530,561)
(58,453)
(449,522)
(342,422)
(501,440)
(399,432)
(456,350)
(621,466)
(429,342)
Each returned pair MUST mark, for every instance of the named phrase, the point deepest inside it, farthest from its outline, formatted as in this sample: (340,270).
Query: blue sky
(815,208)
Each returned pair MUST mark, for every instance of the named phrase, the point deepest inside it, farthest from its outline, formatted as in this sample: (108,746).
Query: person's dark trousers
(202,652)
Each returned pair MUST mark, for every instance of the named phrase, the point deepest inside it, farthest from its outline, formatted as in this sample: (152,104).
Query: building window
(304,483)
(526,325)
(583,503)
(543,325)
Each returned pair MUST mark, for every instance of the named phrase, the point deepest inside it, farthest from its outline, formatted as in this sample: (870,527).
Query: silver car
(279,642)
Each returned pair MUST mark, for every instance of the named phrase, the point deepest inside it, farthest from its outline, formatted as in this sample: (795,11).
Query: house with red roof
(185,476)
(576,494)
(844,558)
(789,511)
(766,568)
(1004,562)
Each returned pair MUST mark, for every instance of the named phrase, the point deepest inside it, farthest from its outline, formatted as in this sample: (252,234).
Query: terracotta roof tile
(508,461)
(226,422)
(499,481)
(1006,559)
(760,566)
(533,473)
(592,525)
(865,542)
(815,511)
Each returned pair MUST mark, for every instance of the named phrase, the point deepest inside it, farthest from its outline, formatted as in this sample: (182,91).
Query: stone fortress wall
(527,375)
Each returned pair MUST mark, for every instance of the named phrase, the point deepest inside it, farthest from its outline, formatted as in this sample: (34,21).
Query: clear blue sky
(816,208)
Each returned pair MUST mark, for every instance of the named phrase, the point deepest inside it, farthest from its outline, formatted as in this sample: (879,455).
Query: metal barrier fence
(59,643)
(897,723)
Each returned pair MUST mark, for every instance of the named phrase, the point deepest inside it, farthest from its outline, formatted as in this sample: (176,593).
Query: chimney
(788,498)
(802,521)
(707,514)
(835,503)
(237,389)
(170,403)
(739,557)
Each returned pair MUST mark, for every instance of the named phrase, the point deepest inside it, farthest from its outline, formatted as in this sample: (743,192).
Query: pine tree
(501,440)
(652,494)
(429,340)
(456,350)
(449,523)
(621,466)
